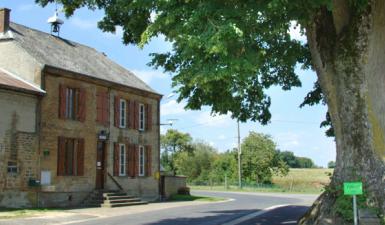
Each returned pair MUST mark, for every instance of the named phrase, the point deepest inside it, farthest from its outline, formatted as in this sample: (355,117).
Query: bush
(184,191)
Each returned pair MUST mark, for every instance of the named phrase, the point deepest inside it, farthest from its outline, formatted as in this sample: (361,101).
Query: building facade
(97,123)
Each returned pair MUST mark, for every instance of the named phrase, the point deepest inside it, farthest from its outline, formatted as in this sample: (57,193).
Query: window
(102,108)
(12,167)
(122,112)
(72,103)
(141,161)
(141,117)
(122,160)
(72,100)
(70,157)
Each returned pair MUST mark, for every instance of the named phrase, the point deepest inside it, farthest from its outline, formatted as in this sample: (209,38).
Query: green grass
(6,213)
(194,198)
(309,181)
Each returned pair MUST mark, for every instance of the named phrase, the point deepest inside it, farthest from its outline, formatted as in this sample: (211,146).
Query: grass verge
(195,198)
(6,213)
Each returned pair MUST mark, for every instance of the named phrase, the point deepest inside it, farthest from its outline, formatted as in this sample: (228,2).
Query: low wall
(172,184)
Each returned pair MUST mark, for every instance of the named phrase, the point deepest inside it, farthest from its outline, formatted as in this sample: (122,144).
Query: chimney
(4,19)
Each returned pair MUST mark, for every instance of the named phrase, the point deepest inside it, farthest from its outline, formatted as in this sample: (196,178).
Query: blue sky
(292,128)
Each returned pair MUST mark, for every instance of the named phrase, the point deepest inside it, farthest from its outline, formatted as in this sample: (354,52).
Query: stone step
(118,197)
(110,194)
(122,200)
(123,204)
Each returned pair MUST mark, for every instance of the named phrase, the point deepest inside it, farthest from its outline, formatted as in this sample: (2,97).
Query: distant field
(304,180)
(297,181)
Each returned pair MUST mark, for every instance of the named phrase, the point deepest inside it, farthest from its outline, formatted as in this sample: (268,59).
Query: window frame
(142,121)
(122,164)
(71,168)
(122,115)
(72,101)
(142,161)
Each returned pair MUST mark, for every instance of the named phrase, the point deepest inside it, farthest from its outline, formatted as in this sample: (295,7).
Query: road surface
(284,209)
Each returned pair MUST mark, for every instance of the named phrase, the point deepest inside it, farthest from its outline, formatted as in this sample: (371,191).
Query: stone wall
(52,127)
(172,184)
(19,146)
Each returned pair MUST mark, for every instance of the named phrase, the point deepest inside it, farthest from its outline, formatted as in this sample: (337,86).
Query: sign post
(353,188)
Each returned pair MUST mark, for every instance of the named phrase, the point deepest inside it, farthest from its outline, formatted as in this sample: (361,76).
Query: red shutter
(136,160)
(128,116)
(61,156)
(80,157)
(116,159)
(131,161)
(99,107)
(136,115)
(148,117)
(131,119)
(82,106)
(62,101)
(148,160)
(116,111)
(127,159)
(106,109)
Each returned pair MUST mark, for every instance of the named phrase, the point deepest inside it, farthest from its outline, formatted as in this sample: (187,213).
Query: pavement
(238,206)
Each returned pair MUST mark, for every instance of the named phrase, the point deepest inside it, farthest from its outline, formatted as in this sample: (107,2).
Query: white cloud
(172,108)
(295,32)
(206,119)
(287,141)
(83,23)
(149,75)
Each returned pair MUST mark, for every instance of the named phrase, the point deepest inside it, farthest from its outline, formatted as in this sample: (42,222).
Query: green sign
(353,188)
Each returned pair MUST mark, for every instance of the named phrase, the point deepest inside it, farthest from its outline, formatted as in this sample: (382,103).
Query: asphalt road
(241,205)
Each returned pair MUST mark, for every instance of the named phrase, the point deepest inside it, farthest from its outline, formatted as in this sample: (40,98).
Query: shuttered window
(102,108)
(70,157)
(122,160)
(72,103)
(122,113)
(141,161)
(141,117)
(148,160)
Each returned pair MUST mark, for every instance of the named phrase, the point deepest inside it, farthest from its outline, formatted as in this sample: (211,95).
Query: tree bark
(348,54)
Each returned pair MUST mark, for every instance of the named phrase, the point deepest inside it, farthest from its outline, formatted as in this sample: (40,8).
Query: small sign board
(353,188)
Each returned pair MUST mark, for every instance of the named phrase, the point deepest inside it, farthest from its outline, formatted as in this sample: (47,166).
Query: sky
(292,128)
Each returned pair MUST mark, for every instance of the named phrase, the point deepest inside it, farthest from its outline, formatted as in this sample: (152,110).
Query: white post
(355,210)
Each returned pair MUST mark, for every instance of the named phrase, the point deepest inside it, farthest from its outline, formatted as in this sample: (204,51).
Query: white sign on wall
(45,177)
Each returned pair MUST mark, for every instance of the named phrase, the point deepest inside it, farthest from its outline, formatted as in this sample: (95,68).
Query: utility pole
(239,158)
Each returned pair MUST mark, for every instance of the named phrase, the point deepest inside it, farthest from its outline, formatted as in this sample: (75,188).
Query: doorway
(100,164)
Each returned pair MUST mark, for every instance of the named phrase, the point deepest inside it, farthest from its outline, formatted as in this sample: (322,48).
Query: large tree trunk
(348,53)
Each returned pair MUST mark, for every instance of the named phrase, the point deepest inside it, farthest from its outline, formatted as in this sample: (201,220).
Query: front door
(100,164)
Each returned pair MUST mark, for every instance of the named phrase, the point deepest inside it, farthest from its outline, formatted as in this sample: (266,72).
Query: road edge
(252,215)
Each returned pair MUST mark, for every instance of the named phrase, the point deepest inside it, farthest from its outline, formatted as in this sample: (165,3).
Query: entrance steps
(111,199)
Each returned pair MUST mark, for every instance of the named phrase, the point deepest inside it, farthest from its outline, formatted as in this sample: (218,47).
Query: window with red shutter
(81,105)
(116,159)
(102,108)
(148,161)
(62,101)
(70,157)
(116,111)
(148,117)
(72,103)
(131,162)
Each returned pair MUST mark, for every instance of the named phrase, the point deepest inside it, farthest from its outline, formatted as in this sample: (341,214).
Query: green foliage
(172,143)
(296,162)
(331,164)
(260,159)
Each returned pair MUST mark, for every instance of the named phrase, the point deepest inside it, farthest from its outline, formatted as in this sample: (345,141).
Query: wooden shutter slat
(81,109)
(80,157)
(136,115)
(131,161)
(127,159)
(116,111)
(148,117)
(148,161)
(116,159)
(131,110)
(62,101)
(136,160)
(106,109)
(61,157)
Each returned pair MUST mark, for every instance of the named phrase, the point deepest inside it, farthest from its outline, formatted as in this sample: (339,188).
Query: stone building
(97,123)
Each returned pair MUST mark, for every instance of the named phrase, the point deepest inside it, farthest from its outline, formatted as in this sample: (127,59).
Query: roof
(68,55)
(11,81)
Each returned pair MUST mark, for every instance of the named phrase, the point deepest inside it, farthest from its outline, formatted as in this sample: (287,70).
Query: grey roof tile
(68,55)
